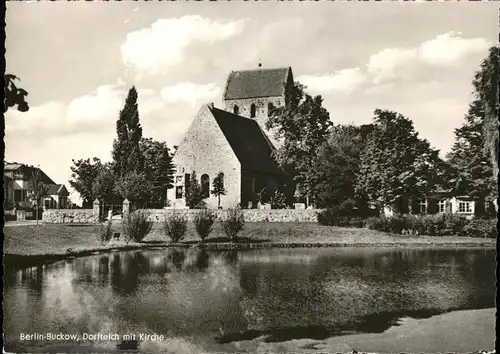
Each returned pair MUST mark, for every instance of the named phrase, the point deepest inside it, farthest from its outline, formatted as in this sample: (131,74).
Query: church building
(234,141)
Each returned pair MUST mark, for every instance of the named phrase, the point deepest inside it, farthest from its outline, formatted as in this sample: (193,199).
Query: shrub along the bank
(136,226)
(233,223)
(203,222)
(105,233)
(175,226)
(434,225)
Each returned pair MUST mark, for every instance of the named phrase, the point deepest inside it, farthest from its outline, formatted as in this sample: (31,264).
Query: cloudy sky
(77,60)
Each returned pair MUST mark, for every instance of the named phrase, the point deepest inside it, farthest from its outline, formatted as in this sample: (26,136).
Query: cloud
(190,93)
(444,50)
(343,81)
(102,104)
(450,47)
(388,63)
(163,45)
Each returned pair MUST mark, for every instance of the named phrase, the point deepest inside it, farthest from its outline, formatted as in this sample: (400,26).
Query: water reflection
(222,297)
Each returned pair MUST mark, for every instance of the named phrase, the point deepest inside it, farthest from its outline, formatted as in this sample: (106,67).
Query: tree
(37,190)
(158,168)
(485,83)
(104,184)
(84,174)
(338,163)
(135,187)
(472,170)
(218,187)
(126,150)
(194,195)
(396,164)
(302,125)
(14,96)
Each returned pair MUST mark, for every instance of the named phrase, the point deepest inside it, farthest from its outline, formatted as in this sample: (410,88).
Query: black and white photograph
(250,176)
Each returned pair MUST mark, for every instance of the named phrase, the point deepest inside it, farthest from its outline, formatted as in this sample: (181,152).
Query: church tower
(253,93)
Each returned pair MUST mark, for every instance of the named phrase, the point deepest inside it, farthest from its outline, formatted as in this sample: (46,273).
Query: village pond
(198,300)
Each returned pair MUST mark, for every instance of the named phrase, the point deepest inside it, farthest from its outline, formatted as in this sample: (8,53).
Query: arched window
(205,186)
(236,109)
(252,110)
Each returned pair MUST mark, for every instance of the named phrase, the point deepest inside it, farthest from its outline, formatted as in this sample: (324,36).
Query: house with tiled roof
(16,176)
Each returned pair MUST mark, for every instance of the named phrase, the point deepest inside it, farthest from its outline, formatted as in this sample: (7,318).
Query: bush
(233,223)
(203,222)
(433,225)
(136,226)
(344,215)
(481,228)
(105,233)
(278,200)
(175,226)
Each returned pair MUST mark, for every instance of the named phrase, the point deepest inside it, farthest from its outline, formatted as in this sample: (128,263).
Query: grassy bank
(31,240)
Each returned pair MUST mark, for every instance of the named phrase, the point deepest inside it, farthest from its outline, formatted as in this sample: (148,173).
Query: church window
(205,186)
(236,109)
(252,110)
(270,108)
(178,192)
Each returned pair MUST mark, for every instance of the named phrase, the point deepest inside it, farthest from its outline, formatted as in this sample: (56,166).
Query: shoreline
(28,260)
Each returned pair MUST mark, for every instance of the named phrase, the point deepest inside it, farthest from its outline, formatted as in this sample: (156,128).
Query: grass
(30,240)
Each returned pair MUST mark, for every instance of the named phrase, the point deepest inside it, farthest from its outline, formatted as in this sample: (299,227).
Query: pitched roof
(256,83)
(27,171)
(57,189)
(248,141)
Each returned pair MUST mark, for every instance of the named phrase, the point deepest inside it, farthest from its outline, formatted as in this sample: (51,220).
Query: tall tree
(135,187)
(104,184)
(396,164)
(471,163)
(485,83)
(37,190)
(14,96)
(84,173)
(338,163)
(158,168)
(302,125)
(218,187)
(126,151)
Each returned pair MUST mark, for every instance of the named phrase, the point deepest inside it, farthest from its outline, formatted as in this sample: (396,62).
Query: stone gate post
(96,210)
(125,208)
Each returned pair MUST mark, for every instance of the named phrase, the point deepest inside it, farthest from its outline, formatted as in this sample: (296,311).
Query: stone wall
(78,216)
(250,215)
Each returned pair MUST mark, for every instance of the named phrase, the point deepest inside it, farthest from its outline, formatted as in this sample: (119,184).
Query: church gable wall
(206,151)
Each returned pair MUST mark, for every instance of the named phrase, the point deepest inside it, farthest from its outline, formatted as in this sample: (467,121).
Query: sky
(78,60)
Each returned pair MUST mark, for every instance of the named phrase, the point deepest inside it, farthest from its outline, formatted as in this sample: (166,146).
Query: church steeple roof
(257,83)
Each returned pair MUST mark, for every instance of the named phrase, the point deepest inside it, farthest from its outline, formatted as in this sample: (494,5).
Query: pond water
(214,300)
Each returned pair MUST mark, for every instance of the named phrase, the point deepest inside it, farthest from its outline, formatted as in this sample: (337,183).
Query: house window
(465,207)
(236,109)
(422,206)
(205,186)
(442,206)
(18,195)
(178,192)
(47,204)
(187,179)
(252,110)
